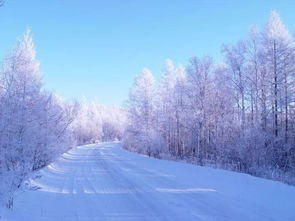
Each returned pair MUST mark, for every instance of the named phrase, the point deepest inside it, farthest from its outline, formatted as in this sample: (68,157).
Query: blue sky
(95,48)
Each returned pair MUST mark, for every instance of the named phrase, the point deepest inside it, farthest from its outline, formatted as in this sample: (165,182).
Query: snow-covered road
(105,182)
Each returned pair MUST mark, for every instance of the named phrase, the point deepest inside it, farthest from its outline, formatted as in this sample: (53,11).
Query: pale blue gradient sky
(95,48)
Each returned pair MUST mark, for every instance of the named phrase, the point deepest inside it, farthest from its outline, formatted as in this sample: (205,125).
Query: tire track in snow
(141,194)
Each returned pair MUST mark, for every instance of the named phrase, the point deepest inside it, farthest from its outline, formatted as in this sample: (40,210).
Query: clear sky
(95,48)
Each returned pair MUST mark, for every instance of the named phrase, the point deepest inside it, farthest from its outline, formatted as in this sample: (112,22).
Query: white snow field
(105,182)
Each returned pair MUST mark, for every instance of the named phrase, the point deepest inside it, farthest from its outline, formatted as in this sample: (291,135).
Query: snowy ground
(105,182)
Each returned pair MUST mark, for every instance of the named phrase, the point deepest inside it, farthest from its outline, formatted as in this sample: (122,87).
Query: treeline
(36,126)
(95,122)
(239,114)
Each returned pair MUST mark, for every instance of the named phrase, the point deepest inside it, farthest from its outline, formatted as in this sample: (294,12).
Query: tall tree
(140,111)
(34,126)
(278,49)
(236,60)
(172,107)
(200,85)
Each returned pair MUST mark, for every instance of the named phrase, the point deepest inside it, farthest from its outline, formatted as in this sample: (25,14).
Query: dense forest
(238,114)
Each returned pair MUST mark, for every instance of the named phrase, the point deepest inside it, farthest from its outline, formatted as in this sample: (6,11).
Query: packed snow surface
(105,182)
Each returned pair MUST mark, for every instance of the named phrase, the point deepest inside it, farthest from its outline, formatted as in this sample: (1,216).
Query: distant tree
(95,122)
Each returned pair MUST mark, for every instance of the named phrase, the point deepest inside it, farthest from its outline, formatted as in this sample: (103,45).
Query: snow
(104,182)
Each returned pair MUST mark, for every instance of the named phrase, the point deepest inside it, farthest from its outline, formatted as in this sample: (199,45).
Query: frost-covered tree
(200,89)
(171,107)
(113,123)
(278,49)
(34,126)
(140,131)
(238,114)
(95,122)
(236,60)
